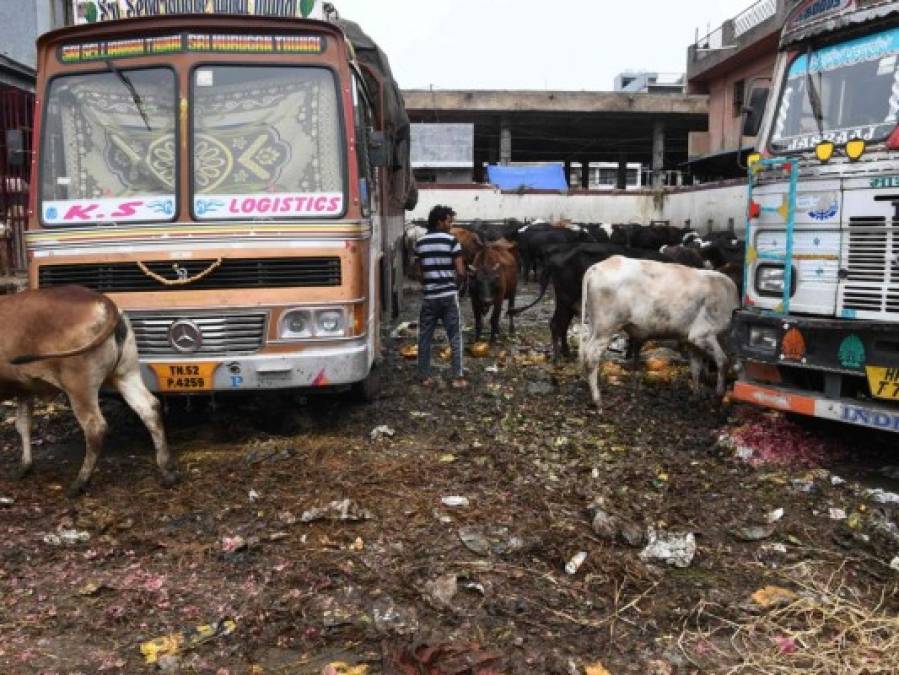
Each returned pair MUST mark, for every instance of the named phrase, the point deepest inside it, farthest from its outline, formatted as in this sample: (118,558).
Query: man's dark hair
(437,214)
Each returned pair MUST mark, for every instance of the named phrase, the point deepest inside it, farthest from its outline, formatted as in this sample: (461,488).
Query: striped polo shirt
(437,252)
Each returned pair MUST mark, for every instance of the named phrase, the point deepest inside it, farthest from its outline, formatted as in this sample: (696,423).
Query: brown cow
(470,241)
(72,340)
(493,278)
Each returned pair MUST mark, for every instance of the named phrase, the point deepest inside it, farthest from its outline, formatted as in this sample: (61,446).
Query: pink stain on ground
(775,440)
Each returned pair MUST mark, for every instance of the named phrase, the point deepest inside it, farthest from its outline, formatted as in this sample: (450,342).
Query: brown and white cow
(72,340)
(652,300)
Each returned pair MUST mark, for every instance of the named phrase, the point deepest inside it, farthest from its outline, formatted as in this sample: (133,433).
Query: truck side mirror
(753,113)
(15,148)
(378,153)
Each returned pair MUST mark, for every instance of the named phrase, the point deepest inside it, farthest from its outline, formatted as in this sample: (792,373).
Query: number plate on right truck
(884,382)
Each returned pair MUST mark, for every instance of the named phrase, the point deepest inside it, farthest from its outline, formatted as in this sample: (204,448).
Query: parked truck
(818,332)
(234,175)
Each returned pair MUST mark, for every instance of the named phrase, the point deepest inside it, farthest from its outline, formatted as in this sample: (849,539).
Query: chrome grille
(871,270)
(223,334)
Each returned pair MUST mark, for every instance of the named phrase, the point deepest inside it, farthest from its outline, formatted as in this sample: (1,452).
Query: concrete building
(650,83)
(571,127)
(726,65)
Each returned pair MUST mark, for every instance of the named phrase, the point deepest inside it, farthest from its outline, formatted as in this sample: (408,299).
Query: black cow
(533,244)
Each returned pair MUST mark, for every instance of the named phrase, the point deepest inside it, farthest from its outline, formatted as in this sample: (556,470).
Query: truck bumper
(312,367)
(828,379)
(864,414)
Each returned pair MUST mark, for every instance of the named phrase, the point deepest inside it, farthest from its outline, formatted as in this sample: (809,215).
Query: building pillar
(621,183)
(585,173)
(658,152)
(568,172)
(505,142)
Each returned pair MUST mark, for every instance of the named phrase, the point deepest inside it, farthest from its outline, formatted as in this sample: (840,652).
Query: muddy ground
(396,581)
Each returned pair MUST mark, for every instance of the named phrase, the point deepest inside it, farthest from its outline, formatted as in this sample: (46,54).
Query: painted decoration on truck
(852,352)
(155,208)
(92,11)
(281,205)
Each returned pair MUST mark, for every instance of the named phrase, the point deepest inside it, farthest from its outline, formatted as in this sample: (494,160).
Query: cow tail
(580,346)
(111,325)
(544,285)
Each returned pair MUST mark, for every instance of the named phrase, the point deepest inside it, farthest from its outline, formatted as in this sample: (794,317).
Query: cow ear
(496,267)
(472,269)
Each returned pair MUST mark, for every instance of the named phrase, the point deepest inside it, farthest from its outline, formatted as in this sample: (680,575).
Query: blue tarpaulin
(540,177)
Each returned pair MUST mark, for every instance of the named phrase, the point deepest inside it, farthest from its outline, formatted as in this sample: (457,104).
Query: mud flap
(369,389)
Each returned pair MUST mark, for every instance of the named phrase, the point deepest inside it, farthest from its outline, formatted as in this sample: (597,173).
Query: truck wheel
(368,389)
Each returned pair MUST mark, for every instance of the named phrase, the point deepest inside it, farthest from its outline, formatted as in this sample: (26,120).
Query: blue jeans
(432,311)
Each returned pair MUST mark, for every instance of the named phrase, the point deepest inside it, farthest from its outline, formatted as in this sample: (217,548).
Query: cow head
(484,278)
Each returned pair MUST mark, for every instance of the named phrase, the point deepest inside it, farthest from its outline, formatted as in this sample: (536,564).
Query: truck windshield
(105,158)
(267,143)
(856,83)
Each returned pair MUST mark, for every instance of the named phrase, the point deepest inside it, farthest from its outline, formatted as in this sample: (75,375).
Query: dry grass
(829,628)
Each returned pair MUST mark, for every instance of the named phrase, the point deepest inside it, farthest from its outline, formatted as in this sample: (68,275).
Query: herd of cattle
(654,281)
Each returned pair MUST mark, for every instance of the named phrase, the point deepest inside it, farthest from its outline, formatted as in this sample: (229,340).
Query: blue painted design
(164,206)
(51,213)
(848,314)
(860,50)
(824,214)
(817,241)
(204,206)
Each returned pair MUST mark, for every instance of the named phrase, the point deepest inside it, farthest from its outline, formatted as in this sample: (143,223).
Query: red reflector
(793,345)
(893,140)
(755,209)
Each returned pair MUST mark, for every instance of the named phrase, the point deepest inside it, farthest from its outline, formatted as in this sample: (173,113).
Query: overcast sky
(533,44)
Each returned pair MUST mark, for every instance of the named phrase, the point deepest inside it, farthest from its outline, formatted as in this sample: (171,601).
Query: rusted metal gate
(16,121)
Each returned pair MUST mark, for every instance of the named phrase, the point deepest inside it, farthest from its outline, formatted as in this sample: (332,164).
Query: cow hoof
(24,471)
(170,478)
(76,489)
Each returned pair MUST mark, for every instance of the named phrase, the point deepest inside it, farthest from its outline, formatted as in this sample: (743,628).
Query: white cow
(652,300)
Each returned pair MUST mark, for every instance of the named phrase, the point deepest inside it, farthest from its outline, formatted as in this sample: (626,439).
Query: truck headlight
(295,324)
(769,280)
(763,338)
(330,322)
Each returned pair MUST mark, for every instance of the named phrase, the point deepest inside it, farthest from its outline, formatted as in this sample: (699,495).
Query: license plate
(884,382)
(184,377)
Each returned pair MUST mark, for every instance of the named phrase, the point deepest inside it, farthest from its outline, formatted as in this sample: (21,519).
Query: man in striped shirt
(441,269)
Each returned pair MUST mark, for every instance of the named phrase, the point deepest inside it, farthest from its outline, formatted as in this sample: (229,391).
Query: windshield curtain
(109,151)
(267,143)
(857,83)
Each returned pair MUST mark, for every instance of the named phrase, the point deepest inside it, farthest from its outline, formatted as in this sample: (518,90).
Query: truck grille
(233,273)
(223,334)
(872,273)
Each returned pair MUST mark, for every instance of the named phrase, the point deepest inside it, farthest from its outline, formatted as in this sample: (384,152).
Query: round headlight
(329,322)
(296,323)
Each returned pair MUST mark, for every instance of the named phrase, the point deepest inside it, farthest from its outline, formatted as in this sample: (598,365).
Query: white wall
(699,205)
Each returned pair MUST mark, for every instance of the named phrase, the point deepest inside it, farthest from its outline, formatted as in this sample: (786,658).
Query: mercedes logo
(185,336)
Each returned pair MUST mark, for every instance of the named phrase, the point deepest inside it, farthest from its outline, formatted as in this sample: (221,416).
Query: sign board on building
(92,11)
(815,10)
(442,146)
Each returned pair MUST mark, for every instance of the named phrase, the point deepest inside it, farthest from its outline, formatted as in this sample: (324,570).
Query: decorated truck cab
(818,332)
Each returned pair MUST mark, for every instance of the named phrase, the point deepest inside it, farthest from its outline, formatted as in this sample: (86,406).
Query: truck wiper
(814,96)
(129,85)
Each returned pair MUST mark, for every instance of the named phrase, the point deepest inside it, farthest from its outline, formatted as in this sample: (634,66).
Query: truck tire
(369,389)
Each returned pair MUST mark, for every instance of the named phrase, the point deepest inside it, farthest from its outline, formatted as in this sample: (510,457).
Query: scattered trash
(67,537)
(388,617)
(441,658)
(287,518)
(496,540)
(595,669)
(773,596)
(895,563)
(753,532)
(345,509)
(837,514)
(670,548)
(882,496)
(774,516)
(382,431)
(442,590)
(494,369)
(774,548)
(172,644)
(447,458)
(540,388)
(344,668)
(418,415)
(91,588)
(573,565)
(271,454)
(409,352)
(6,502)
(836,480)
(253,496)
(233,544)
(479,350)
(786,645)
(357,545)
(406,329)
(454,501)
(854,521)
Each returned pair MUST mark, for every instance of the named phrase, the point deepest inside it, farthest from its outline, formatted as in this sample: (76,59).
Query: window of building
(739,97)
